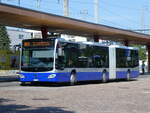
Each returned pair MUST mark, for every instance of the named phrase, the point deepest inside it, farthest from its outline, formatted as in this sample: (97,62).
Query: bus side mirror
(60,63)
(60,52)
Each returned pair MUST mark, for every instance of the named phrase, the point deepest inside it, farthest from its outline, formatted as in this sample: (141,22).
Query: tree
(4,39)
(142,52)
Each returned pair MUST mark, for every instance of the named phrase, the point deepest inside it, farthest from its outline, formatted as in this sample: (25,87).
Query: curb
(9,78)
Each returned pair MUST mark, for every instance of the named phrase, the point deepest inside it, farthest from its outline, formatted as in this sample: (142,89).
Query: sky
(125,14)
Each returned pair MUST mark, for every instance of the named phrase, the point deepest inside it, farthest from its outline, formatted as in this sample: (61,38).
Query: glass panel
(126,58)
(71,53)
(85,56)
(42,54)
(37,59)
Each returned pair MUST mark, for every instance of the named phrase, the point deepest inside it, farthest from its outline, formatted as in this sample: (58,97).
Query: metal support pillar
(96,11)
(96,38)
(148,49)
(66,8)
(126,43)
(44,31)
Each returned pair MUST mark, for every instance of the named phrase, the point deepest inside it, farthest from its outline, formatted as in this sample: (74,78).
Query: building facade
(16,36)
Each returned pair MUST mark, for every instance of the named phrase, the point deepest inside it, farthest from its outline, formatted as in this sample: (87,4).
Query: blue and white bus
(57,60)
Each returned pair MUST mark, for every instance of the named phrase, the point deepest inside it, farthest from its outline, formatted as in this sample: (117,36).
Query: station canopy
(30,19)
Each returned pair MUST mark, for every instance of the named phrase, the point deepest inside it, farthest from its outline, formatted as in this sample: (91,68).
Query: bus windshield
(37,60)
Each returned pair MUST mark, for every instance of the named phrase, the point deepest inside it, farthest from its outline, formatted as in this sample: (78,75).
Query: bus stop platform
(8,78)
(9,75)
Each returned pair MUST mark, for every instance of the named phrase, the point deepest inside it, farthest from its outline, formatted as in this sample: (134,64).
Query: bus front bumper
(44,77)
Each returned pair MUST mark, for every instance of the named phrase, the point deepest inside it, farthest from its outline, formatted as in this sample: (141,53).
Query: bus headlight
(52,76)
(21,76)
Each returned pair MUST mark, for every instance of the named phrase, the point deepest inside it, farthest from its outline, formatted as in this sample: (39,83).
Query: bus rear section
(124,62)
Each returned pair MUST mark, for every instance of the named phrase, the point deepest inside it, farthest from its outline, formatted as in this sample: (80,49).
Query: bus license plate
(35,80)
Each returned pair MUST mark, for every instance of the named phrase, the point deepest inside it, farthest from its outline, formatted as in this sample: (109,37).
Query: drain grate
(123,87)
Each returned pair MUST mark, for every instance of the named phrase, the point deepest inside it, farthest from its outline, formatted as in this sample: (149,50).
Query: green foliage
(142,52)
(6,55)
(4,39)
(6,59)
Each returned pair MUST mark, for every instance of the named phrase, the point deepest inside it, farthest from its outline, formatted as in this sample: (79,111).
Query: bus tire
(22,83)
(104,78)
(72,79)
(128,76)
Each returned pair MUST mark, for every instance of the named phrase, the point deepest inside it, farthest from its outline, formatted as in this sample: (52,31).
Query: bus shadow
(47,84)
(6,107)
(122,80)
(100,82)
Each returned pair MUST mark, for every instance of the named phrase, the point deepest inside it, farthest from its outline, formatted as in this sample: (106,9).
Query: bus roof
(86,43)
(31,19)
(99,44)
(123,47)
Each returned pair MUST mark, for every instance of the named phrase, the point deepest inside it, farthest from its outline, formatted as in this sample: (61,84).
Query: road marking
(146,92)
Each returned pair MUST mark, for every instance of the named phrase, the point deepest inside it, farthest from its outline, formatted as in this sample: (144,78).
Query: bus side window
(70,54)
(82,61)
(101,57)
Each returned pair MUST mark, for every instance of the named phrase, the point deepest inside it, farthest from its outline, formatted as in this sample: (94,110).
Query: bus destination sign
(41,43)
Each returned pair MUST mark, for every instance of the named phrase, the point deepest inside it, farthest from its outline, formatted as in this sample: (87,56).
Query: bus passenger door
(112,62)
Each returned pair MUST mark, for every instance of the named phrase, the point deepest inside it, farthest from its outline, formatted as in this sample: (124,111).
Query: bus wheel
(128,76)
(104,78)
(22,83)
(72,79)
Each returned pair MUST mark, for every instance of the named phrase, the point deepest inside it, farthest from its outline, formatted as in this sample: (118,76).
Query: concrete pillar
(44,31)
(148,49)
(126,43)
(96,38)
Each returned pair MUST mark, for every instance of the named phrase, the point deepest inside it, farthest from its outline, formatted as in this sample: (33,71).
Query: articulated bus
(57,60)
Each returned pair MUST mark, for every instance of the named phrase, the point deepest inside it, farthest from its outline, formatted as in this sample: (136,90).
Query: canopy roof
(30,19)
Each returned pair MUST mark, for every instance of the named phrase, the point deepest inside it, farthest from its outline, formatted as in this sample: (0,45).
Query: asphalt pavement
(91,97)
